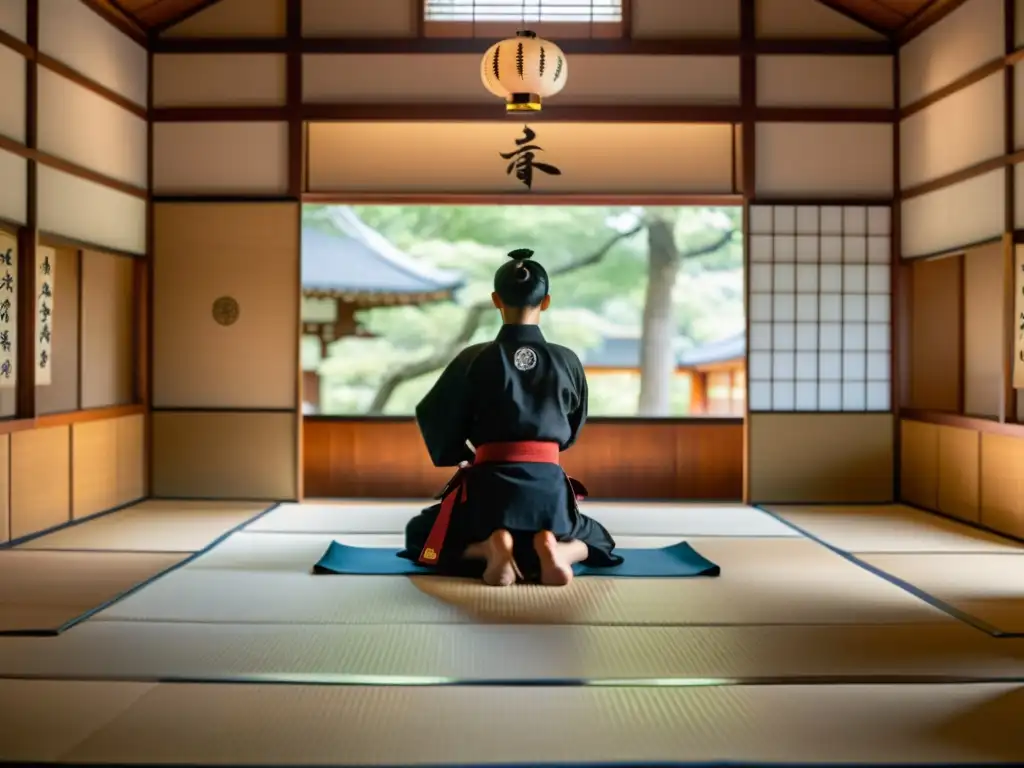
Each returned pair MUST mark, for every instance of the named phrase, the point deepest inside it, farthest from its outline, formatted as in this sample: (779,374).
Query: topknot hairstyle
(521,282)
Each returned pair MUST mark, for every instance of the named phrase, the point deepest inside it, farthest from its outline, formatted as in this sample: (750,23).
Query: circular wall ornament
(225,310)
(525,359)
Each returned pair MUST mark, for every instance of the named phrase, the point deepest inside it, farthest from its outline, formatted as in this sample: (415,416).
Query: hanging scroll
(1018,325)
(8,309)
(46,269)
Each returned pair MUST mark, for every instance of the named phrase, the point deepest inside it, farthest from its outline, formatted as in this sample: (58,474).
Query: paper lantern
(524,70)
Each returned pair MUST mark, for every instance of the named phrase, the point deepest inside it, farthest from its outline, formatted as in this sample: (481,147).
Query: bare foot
(554,571)
(501,568)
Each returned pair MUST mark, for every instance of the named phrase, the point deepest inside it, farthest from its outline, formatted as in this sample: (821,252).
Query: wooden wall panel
(90,212)
(393,157)
(381,18)
(77,124)
(13,192)
(224,455)
(108,319)
(131,458)
(75,34)
(1018,35)
(954,217)
(935,354)
(40,479)
(1002,484)
(954,133)
(235,18)
(12,94)
(670,19)
(796,458)
(975,475)
(1018,105)
(824,81)
(220,158)
(5,488)
(824,159)
(218,80)
(983,331)
(643,460)
(14,18)
(806,18)
(959,457)
(107,460)
(967,38)
(1018,200)
(203,251)
(93,467)
(61,395)
(919,464)
(455,79)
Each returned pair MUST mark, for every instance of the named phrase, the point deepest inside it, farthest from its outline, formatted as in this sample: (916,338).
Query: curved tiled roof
(357,259)
(624,352)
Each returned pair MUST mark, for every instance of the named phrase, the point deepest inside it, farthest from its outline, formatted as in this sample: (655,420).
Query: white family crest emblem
(525,359)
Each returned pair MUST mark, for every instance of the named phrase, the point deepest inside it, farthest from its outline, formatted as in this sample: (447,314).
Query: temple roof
(624,352)
(729,348)
(357,261)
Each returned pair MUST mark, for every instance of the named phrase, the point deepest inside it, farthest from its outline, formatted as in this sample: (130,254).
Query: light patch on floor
(891,528)
(265,579)
(154,525)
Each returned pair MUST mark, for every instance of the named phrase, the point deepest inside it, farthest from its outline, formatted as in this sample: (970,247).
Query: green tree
(612,266)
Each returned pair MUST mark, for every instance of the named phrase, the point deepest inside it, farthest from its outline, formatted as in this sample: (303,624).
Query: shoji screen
(820,308)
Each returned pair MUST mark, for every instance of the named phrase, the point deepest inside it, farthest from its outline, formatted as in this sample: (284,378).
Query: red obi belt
(491,453)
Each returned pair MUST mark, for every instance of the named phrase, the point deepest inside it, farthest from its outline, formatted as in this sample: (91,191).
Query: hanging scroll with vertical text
(8,309)
(1018,320)
(46,270)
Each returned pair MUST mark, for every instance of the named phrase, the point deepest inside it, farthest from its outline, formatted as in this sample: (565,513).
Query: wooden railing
(686,459)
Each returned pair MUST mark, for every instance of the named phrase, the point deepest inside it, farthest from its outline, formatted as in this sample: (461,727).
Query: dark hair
(521,282)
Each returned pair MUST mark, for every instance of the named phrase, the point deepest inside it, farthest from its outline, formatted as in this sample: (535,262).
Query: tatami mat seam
(967,523)
(906,586)
(613,764)
(313,680)
(496,623)
(139,586)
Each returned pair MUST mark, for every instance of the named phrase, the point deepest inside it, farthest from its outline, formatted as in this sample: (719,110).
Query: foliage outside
(664,279)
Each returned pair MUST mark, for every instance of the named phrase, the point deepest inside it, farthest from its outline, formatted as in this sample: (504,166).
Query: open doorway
(650,297)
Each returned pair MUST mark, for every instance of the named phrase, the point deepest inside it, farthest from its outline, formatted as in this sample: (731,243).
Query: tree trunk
(657,353)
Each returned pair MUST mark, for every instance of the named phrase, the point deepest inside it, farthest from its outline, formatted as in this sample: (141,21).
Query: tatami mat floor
(834,634)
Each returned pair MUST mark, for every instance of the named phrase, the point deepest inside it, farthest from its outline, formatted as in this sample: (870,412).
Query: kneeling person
(510,512)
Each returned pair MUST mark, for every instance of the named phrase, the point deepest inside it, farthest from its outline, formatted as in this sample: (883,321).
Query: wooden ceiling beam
(929,15)
(191,9)
(843,8)
(124,22)
(146,19)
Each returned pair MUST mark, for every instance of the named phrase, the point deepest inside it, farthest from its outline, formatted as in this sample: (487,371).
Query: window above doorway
(501,18)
